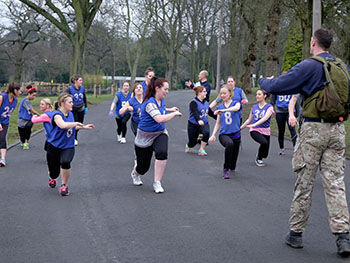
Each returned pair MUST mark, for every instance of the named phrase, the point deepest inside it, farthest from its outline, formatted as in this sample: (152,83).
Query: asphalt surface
(199,218)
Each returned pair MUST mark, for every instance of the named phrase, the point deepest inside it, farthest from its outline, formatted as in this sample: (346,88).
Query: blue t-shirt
(23,113)
(258,114)
(145,87)
(230,122)
(147,123)
(78,95)
(47,125)
(6,108)
(282,101)
(62,138)
(202,109)
(137,109)
(122,100)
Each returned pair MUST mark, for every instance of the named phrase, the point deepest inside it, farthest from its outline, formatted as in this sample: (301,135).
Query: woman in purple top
(259,124)
(8,102)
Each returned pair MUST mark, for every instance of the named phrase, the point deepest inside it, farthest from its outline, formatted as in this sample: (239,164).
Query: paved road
(200,217)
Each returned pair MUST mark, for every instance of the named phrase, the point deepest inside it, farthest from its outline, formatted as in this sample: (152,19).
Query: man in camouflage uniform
(320,144)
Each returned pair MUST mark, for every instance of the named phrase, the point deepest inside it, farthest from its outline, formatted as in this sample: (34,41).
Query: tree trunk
(272,56)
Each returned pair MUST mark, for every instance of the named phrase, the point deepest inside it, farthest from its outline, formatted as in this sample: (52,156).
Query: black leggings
(264,141)
(193,130)
(3,133)
(144,155)
(121,124)
(134,126)
(231,150)
(25,132)
(282,119)
(79,117)
(57,158)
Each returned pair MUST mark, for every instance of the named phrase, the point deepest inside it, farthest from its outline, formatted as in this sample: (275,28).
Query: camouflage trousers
(320,145)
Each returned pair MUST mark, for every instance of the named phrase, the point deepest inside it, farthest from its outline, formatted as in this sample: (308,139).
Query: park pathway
(200,217)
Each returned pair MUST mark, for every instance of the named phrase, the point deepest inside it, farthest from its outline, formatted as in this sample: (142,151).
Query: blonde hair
(61,98)
(47,101)
(229,88)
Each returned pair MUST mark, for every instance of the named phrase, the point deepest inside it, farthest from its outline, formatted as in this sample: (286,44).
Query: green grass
(12,134)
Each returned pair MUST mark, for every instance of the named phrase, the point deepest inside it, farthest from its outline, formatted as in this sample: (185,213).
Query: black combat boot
(294,239)
(343,244)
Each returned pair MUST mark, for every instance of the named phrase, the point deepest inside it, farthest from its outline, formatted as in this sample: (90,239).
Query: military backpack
(332,102)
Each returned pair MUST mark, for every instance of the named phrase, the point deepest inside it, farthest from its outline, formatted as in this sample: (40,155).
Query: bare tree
(137,22)
(74,19)
(271,37)
(22,31)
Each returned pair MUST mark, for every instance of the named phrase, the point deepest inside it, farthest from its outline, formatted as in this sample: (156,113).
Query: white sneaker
(122,140)
(157,186)
(259,163)
(136,179)
(119,137)
(75,142)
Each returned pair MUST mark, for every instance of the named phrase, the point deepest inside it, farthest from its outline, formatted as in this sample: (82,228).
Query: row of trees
(53,39)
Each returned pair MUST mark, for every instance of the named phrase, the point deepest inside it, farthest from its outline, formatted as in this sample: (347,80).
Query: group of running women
(146,107)
(59,122)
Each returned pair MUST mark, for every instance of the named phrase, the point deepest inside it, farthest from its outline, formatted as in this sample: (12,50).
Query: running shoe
(63,190)
(226,174)
(281,152)
(119,137)
(2,162)
(122,140)
(157,186)
(202,152)
(187,149)
(75,142)
(52,183)
(136,179)
(259,163)
(26,146)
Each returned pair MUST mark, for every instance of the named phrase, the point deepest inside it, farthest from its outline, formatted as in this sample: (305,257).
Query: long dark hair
(151,91)
(11,88)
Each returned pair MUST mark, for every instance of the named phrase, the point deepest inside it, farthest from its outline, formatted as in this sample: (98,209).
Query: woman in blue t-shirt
(45,118)
(228,122)
(60,148)
(120,99)
(152,135)
(259,124)
(149,74)
(80,107)
(282,117)
(8,102)
(198,121)
(134,105)
(25,114)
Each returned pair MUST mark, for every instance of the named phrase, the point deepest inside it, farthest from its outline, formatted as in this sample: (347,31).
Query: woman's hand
(212,138)
(217,112)
(201,123)
(177,113)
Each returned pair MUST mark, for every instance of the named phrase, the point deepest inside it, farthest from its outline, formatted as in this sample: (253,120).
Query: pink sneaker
(202,152)
(52,183)
(63,190)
